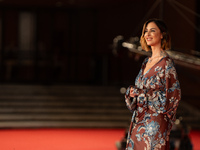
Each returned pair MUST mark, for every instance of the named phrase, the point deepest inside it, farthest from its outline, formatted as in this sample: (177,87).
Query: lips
(149,39)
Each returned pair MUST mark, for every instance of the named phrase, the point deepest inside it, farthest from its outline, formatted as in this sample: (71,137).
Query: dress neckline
(144,73)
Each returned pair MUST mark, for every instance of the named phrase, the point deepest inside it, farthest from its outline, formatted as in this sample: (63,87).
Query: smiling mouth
(148,39)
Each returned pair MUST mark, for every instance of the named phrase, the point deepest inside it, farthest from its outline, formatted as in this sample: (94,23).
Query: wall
(73,45)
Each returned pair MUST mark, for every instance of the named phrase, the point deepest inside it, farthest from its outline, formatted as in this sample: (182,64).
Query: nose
(147,33)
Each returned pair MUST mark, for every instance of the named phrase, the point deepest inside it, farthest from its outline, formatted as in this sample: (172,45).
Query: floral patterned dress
(154,108)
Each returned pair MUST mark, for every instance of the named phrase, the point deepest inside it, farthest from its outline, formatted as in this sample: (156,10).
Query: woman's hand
(131,92)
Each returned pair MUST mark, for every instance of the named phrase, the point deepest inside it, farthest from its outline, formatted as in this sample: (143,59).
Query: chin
(149,44)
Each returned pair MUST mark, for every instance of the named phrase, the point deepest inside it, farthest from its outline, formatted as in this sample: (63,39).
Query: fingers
(131,92)
(132,95)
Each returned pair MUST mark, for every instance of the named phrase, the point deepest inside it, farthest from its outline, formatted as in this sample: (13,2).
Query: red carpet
(195,137)
(60,139)
(67,139)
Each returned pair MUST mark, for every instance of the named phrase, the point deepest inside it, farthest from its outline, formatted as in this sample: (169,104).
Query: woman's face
(153,35)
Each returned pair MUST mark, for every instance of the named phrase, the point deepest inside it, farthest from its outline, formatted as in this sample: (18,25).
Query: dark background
(70,42)
(59,67)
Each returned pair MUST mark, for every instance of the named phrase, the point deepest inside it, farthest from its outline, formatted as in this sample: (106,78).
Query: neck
(156,51)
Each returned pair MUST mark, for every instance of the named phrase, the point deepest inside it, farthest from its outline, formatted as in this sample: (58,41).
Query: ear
(162,35)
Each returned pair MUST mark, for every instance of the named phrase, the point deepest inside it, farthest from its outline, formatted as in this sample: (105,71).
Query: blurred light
(180,118)
(122,90)
(140,48)
(118,38)
(128,45)
(177,121)
(136,38)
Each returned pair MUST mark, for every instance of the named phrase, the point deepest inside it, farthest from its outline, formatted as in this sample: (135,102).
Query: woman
(156,94)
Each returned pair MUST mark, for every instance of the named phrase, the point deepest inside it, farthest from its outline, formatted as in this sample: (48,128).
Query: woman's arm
(130,99)
(162,99)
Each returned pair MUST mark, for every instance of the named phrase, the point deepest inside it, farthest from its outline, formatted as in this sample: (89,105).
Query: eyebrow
(150,28)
